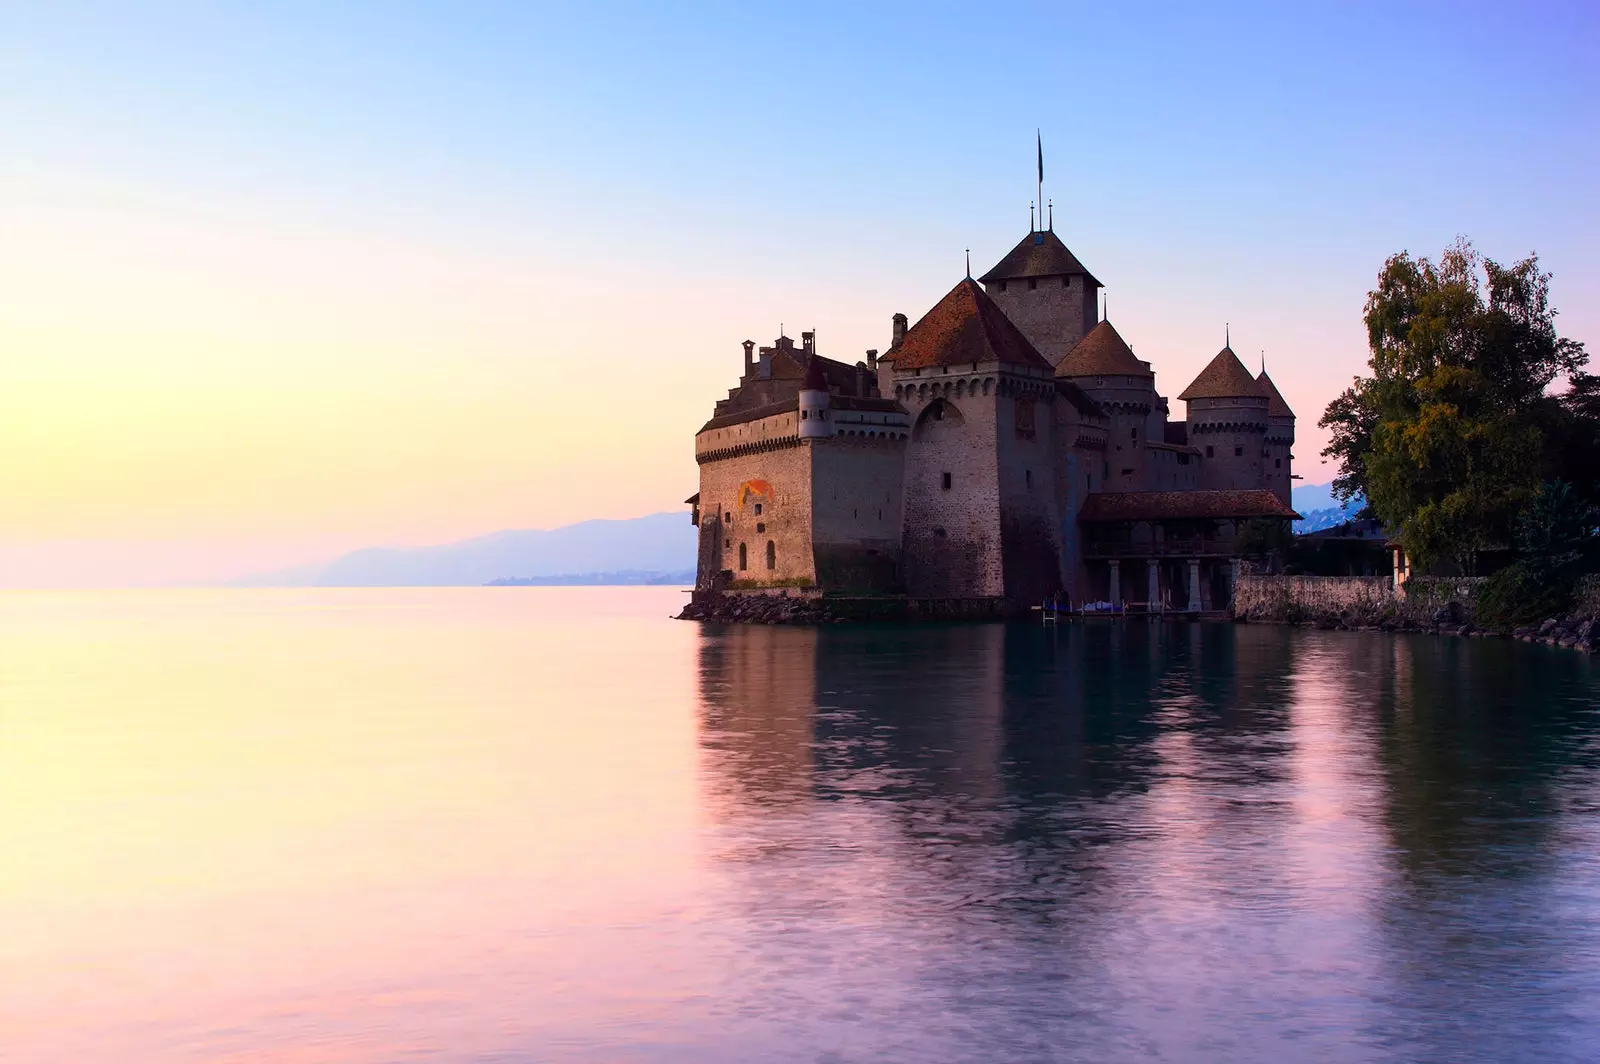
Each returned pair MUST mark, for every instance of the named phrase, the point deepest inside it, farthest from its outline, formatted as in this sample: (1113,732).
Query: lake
(551,824)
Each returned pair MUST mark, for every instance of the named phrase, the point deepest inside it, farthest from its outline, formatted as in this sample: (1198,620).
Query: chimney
(899,329)
(749,346)
(872,358)
(808,341)
(766,363)
(861,379)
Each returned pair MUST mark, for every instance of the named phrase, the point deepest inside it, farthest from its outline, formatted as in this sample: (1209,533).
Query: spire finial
(1031,227)
(1263,361)
(969,264)
(1227,335)
(1052,216)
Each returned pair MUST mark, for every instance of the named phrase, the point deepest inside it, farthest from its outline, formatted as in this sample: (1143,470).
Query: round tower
(1227,421)
(1276,473)
(815,421)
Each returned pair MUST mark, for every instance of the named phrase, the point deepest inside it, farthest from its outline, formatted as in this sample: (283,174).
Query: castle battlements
(1008,446)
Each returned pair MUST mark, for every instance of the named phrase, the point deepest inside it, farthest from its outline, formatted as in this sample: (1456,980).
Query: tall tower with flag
(1043,288)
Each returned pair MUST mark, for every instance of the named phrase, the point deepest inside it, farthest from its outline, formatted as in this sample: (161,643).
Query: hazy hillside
(655,544)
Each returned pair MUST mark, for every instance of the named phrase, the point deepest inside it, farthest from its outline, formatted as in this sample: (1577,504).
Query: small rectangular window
(1277,463)
(1033,282)
(1027,477)
(1238,452)
(1210,451)
(758,509)
(946,481)
(1136,434)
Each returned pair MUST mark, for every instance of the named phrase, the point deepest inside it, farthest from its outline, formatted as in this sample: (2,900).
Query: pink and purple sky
(276,283)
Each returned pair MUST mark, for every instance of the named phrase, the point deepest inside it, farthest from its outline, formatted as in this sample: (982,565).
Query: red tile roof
(964,327)
(1179,505)
(1102,353)
(1223,378)
(1276,407)
(1040,254)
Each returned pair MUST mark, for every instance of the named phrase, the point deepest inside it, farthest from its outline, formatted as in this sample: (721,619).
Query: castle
(1008,447)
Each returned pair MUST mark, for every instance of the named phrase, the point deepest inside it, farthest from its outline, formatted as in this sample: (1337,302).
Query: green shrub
(1522,593)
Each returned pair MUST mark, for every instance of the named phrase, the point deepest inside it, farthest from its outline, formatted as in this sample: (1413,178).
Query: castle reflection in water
(1127,809)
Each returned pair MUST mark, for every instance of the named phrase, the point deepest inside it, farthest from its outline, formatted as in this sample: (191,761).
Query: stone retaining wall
(1355,601)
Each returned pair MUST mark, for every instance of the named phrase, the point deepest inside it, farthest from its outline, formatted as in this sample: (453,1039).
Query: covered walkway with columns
(1168,551)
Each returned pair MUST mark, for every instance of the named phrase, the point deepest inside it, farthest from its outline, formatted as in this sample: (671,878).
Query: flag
(1040,140)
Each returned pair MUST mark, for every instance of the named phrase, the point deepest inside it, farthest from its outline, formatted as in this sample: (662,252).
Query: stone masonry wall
(1052,316)
(1029,516)
(784,520)
(858,492)
(1355,600)
(952,535)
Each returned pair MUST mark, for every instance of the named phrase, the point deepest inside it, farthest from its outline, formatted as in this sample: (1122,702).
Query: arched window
(744,559)
(772,555)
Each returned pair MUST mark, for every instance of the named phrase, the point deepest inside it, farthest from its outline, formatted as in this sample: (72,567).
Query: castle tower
(1105,368)
(1227,420)
(980,508)
(1047,292)
(1278,477)
(814,422)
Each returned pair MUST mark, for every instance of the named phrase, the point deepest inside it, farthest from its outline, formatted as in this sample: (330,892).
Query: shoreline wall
(1355,601)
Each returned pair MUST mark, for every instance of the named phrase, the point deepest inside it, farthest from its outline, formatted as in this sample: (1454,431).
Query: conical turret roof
(1040,254)
(964,327)
(1223,378)
(1276,407)
(815,379)
(1102,353)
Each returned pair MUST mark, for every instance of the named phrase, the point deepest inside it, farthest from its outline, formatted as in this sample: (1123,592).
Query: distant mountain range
(1319,509)
(656,548)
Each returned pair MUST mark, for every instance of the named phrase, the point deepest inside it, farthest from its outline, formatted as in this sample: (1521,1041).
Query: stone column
(1116,585)
(1155,585)
(1194,585)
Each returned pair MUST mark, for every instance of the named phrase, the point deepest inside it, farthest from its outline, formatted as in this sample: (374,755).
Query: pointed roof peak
(1039,254)
(965,326)
(815,379)
(1276,405)
(1102,353)
(1223,378)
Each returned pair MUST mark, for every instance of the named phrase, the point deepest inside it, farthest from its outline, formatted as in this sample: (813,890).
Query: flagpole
(1038,138)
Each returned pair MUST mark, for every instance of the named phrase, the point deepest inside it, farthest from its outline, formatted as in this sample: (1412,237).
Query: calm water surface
(545,824)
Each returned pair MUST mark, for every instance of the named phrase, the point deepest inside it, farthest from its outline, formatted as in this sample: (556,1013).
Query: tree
(1444,439)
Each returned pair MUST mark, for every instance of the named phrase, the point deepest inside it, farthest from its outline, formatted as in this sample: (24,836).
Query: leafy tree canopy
(1448,437)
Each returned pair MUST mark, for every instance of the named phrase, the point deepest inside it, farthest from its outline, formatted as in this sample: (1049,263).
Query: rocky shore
(1577,632)
(758,608)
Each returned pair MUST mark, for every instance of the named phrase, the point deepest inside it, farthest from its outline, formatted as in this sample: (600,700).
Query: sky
(283,280)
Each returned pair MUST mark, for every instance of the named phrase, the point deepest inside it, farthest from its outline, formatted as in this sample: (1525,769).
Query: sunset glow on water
(551,824)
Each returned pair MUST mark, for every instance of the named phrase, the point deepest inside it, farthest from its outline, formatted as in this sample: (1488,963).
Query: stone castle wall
(952,535)
(1232,456)
(1053,316)
(1025,466)
(858,493)
(728,522)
